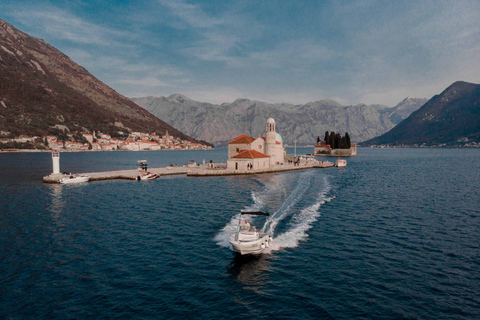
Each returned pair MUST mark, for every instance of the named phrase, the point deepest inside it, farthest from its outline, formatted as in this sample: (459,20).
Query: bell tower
(270,139)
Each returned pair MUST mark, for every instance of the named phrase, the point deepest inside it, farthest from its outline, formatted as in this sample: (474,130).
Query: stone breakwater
(198,171)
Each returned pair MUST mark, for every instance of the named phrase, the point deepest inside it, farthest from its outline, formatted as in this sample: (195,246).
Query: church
(247,153)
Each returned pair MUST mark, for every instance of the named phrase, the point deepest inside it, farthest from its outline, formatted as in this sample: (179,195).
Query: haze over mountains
(42,91)
(218,124)
(451,118)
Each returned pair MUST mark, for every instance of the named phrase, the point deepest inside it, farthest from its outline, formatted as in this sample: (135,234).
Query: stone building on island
(247,153)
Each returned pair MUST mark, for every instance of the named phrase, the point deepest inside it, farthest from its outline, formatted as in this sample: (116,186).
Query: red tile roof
(250,154)
(242,139)
(240,136)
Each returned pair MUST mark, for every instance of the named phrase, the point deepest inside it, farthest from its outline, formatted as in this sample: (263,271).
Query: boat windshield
(248,228)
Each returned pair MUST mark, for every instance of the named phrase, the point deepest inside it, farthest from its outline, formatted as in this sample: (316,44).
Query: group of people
(246,226)
(295,163)
(249,166)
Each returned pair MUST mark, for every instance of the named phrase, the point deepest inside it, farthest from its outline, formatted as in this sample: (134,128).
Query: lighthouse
(56,162)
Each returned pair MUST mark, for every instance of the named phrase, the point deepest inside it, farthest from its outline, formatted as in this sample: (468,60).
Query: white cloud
(293,53)
(218,38)
(146,82)
(63,25)
(192,15)
(365,51)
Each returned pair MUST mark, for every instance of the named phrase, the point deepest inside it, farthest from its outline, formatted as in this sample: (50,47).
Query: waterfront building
(96,146)
(246,153)
(56,145)
(88,137)
(109,146)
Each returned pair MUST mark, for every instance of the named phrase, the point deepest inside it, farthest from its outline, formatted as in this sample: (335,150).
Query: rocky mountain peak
(445,119)
(304,123)
(178,97)
(45,89)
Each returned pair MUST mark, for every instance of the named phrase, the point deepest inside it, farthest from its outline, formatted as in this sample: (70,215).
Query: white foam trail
(292,199)
(302,222)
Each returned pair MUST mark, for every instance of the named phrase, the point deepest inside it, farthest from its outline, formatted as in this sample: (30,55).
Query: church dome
(270,120)
(278,138)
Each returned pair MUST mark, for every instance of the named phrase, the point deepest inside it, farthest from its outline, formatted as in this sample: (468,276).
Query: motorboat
(248,239)
(74,178)
(147,176)
(340,163)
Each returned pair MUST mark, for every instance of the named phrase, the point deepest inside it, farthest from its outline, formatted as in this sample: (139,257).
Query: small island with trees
(334,145)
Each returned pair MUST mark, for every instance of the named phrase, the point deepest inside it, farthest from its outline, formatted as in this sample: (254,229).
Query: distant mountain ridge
(42,91)
(218,124)
(451,118)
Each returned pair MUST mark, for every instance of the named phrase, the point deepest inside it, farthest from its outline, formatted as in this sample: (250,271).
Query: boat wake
(293,216)
(302,222)
(222,238)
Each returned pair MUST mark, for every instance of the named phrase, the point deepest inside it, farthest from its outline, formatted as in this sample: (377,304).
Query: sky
(366,51)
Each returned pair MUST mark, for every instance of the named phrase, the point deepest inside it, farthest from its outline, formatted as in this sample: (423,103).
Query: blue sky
(275,51)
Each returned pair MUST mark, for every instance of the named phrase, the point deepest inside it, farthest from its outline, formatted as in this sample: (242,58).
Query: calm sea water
(394,235)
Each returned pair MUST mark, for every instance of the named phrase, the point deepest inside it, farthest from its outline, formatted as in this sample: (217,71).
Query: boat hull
(69,180)
(340,163)
(149,176)
(251,247)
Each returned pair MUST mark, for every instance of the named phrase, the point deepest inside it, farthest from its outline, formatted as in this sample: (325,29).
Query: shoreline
(76,151)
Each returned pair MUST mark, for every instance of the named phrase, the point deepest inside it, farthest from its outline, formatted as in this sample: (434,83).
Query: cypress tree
(343,143)
(331,140)
(326,137)
(349,142)
(337,140)
(318,139)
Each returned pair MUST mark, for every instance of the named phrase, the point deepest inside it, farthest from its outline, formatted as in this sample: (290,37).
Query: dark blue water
(395,235)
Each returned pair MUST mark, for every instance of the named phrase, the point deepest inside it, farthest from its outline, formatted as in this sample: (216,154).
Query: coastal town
(98,141)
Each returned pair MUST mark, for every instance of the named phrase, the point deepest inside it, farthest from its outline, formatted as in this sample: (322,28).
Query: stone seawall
(328,152)
(199,171)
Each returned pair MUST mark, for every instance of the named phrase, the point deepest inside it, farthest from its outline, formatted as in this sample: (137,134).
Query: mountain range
(451,118)
(218,124)
(42,91)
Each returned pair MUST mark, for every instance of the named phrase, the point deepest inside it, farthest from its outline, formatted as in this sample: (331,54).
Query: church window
(259,147)
(238,149)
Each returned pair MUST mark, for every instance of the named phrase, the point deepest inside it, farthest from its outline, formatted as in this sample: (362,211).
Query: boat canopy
(256,213)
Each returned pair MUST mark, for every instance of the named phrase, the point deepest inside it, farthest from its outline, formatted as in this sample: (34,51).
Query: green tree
(327,137)
(331,140)
(343,143)
(349,142)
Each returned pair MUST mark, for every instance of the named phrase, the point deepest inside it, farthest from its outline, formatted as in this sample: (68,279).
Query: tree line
(336,141)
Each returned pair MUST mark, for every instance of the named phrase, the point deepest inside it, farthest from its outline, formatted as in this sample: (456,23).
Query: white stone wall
(258,145)
(258,164)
